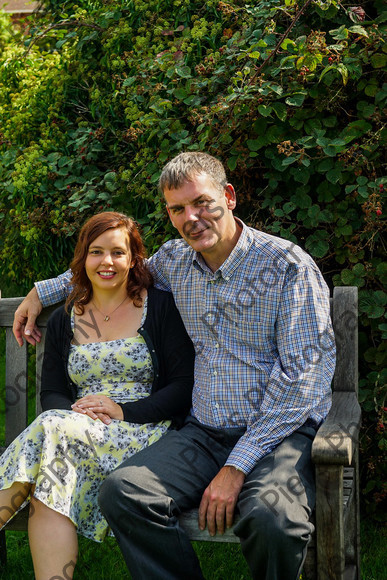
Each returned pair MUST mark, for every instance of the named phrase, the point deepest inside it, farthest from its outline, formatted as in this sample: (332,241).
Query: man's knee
(110,492)
(260,521)
(274,521)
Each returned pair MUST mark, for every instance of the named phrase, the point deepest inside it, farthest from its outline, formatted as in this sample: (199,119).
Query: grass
(219,561)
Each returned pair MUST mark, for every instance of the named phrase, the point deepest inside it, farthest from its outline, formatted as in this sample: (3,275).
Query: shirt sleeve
(299,385)
(54,290)
(157,266)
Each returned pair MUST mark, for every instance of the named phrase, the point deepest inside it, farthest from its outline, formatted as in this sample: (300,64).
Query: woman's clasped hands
(98,407)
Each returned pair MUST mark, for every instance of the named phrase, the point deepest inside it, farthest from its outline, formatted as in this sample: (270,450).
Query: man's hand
(219,500)
(25,317)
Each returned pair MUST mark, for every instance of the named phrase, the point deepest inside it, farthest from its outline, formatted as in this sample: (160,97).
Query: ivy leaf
(330,150)
(301,200)
(355,130)
(378,60)
(301,174)
(277,89)
(366,110)
(129,81)
(325,165)
(330,121)
(344,72)
(339,33)
(372,303)
(339,68)
(334,175)
(287,43)
(358,30)
(254,144)
(288,161)
(317,244)
(265,110)
(371,89)
(52,158)
(362,180)
(183,71)
(155,177)
(295,100)
(180,94)
(288,62)
(280,110)
(232,163)
(289,207)
(193,100)
(383,328)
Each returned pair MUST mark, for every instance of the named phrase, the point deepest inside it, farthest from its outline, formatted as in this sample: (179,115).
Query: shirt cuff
(54,290)
(243,459)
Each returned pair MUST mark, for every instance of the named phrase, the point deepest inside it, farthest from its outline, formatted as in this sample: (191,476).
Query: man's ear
(230,196)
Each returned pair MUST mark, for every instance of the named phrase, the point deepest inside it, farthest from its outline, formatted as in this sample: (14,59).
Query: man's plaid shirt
(261,328)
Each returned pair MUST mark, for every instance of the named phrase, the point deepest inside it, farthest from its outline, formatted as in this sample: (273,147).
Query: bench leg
(353,523)
(3,548)
(329,522)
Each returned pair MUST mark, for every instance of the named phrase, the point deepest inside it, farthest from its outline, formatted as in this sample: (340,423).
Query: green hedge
(96,97)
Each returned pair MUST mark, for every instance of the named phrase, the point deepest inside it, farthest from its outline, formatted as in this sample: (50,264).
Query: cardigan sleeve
(55,390)
(175,355)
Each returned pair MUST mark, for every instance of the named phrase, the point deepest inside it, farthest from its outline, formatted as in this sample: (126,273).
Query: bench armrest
(337,438)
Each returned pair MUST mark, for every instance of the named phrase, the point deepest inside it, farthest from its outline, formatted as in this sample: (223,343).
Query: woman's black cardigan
(172,356)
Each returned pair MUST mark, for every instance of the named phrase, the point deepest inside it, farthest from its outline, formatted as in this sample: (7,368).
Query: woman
(113,382)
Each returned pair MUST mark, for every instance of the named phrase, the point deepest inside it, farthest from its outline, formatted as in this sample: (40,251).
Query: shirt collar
(234,259)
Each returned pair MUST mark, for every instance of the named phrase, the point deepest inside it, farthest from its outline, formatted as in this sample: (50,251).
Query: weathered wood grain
(329,516)
(16,383)
(338,436)
(345,324)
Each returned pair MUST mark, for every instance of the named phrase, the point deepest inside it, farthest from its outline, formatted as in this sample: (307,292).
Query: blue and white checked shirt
(262,333)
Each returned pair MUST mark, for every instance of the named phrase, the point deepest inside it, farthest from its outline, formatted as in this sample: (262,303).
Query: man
(257,310)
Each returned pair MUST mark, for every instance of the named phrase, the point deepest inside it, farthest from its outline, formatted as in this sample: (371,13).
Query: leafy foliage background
(96,96)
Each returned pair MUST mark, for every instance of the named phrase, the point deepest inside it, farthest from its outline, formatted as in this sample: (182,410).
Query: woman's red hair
(139,277)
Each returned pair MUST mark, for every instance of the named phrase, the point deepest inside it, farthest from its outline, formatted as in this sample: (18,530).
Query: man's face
(202,214)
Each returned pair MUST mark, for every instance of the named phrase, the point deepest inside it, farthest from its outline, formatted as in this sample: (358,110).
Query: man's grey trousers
(143,497)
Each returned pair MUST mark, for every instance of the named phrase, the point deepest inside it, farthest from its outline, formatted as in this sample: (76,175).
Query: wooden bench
(334,550)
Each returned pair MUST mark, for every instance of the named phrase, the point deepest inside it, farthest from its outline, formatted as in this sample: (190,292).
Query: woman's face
(109,260)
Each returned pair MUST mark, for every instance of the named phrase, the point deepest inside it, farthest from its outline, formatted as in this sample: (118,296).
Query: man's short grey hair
(186,166)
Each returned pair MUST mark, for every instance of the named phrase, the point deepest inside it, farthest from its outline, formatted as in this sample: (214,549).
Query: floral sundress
(68,455)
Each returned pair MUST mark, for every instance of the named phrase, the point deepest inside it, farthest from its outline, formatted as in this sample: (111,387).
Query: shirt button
(215,373)
(217,345)
(227,278)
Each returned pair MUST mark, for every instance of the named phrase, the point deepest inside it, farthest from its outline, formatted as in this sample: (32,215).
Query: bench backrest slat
(39,364)
(16,381)
(345,324)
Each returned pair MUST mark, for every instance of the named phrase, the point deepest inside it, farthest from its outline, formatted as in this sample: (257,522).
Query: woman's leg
(53,543)
(11,499)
